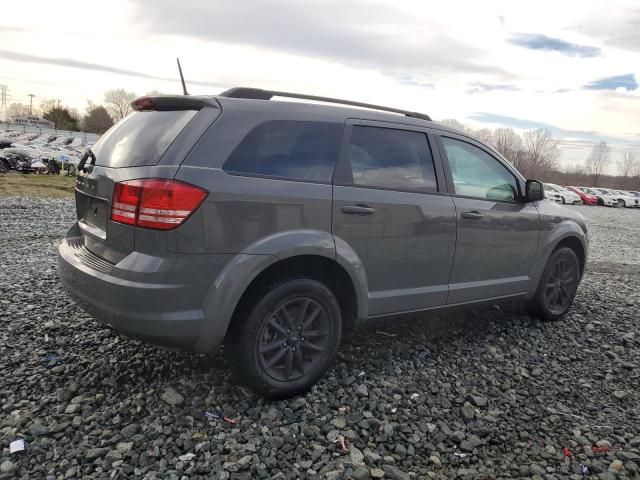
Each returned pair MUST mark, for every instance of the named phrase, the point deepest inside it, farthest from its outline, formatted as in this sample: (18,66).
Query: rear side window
(141,138)
(390,158)
(288,149)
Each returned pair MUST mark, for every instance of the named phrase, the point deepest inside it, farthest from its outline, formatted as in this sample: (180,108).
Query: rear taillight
(155,203)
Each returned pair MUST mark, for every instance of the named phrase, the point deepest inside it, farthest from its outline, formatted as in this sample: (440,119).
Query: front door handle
(358,209)
(472,215)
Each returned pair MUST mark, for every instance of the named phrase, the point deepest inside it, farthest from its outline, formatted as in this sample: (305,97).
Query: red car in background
(587,198)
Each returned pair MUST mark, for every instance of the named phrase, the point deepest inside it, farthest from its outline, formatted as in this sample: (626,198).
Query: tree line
(535,154)
(96,118)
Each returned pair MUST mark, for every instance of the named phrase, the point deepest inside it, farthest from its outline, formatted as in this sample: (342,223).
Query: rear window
(390,158)
(141,138)
(288,149)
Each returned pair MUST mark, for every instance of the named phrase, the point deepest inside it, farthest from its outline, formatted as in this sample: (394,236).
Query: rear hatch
(151,142)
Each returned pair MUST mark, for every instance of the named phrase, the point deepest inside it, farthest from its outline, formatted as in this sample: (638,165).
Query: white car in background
(626,199)
(608,199)
(560,194)
(551,194)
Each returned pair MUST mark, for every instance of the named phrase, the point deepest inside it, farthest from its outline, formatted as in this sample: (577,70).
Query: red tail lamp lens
(155,203)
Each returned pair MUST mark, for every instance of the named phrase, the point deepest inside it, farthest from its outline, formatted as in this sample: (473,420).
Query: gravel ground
(482,393)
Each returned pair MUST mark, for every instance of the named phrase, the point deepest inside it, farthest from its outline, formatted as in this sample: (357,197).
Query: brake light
(155,203)
(143,104)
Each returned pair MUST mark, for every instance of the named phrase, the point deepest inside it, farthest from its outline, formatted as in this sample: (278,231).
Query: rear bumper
(157,299)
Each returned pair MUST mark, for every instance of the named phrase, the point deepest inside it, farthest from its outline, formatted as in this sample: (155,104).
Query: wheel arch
(576,245)
(313,253)
(317,267)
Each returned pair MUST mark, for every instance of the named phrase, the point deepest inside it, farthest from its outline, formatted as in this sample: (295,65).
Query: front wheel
(563,200)
(287,339)
(621,203)
(558,285)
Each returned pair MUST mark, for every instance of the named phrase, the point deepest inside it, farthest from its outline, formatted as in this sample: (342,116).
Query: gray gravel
(482,393)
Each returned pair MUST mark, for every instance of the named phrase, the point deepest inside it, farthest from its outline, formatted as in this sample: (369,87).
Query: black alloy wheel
(293,339)
(561,285)
(558,285)
(284,337)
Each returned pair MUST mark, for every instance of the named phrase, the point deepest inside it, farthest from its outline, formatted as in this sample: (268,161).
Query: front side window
(477,174)
(288,149)
(391,158)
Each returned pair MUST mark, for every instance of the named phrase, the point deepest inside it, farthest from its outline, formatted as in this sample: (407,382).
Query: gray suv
(274,227)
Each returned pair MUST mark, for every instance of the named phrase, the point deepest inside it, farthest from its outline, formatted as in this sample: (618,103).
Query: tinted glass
(478,174)
(288,149)
(384,157)
(140,138)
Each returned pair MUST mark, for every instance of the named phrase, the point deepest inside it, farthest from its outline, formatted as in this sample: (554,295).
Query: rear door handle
(472,215)
(358,209)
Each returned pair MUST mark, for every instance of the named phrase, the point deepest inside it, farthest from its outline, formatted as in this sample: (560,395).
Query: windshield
(140,138)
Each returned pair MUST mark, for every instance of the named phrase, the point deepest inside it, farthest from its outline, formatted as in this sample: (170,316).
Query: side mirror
(534,191)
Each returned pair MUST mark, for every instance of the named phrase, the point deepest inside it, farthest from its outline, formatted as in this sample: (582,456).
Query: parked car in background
(561,195)
(551,194)
(626,199)
(604,198)
(587,198)
(277,227)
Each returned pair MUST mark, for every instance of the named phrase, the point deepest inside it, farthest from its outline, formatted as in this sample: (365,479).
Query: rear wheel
(558,285)
(283,343)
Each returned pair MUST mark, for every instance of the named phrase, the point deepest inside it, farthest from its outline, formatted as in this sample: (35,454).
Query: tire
(558,285)
(563,200)
(282,343)
(621,203)
(600,202)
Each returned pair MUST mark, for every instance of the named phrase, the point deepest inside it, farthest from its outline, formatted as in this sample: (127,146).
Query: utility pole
(58,104)
(3,101)
(31,95)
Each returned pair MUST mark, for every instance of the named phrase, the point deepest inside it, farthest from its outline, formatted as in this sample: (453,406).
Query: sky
(570,66)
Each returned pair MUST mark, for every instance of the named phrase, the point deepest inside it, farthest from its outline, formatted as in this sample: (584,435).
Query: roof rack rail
(259,94)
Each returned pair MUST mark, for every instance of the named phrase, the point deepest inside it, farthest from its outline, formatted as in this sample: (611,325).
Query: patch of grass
(15,184)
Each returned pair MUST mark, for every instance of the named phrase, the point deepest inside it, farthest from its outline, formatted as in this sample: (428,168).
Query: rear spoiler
(163,103)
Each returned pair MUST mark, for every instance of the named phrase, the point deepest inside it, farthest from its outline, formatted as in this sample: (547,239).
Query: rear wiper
(88,153)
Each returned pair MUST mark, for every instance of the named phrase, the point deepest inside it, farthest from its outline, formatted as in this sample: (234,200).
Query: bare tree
(627,164)
(453,123)
(541,153)
(47,105)
(484,135)
(508,143)
(597,161)
(16,110)
(118,103)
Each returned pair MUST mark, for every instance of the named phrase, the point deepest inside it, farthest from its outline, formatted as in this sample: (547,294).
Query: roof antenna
(184,87)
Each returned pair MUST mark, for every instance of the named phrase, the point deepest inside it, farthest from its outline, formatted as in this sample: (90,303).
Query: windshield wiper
(88,153)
